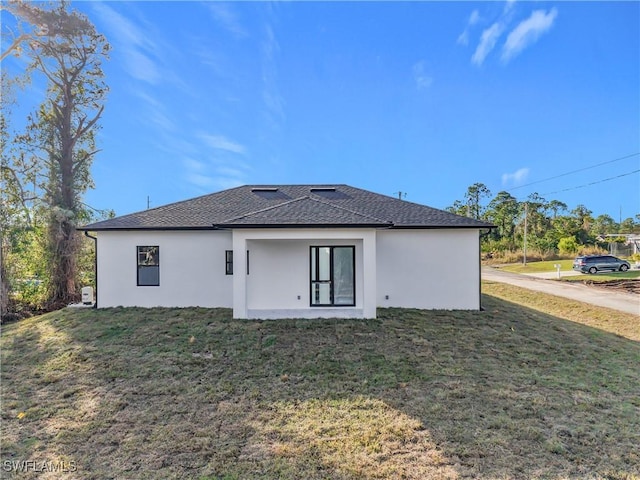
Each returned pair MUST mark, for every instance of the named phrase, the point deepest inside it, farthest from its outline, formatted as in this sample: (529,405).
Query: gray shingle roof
(289,206)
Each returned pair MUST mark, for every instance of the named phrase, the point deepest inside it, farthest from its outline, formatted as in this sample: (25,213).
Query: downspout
(95,265)
(480,265)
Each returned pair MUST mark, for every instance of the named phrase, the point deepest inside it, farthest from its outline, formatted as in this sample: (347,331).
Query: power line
(576,171)
(592,183)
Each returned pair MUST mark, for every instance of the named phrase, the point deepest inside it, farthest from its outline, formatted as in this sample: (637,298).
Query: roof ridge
(354,212)
(305,197)
(266,209)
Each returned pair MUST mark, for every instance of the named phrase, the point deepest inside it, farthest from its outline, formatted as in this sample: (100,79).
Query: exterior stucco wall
(192,269)
(279,272)
(428,269)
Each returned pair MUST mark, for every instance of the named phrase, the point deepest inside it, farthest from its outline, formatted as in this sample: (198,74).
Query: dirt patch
(624,286)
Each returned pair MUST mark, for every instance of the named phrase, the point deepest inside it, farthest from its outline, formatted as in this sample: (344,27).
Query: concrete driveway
(624,302)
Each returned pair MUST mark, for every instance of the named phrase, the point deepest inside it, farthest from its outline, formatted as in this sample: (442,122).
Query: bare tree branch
(14,45)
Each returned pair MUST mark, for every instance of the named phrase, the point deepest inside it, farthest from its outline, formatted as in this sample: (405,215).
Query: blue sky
(418,97)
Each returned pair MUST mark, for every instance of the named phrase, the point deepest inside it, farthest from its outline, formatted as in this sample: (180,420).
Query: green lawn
(603,276)
(538,267)
(549,266)
(515,391)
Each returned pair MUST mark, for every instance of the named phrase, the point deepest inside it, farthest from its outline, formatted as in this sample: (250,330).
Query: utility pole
(148,202)
(526,211)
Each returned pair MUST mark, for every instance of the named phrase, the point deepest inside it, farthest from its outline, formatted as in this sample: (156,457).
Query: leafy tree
(475,194)
(60,136)
(503,212)
(628,225)
(583,215)
(603,224)
(26,266)
(584,220)
(566,226)
(15,200)
(537,222)
(459,208)
(36,24)
(568,245)
(557,206)
(549,224)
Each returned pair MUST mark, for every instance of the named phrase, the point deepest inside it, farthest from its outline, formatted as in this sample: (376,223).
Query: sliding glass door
(333,276)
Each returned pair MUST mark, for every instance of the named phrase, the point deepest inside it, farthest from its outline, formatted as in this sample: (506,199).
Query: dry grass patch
(537,267)
(510,392)
(356,437)
(603,319)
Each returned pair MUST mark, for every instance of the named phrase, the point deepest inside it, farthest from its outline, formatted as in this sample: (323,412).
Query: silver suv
(596,263)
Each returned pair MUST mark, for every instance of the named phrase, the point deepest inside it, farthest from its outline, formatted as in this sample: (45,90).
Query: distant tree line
(550,226)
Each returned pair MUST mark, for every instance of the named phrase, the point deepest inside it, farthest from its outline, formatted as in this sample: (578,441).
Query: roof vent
(330,193)
(269,193)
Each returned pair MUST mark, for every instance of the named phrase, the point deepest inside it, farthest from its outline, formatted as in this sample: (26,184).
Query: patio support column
(239,275)
(369,274)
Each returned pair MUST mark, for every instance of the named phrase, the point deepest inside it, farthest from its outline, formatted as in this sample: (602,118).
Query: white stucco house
(290,251)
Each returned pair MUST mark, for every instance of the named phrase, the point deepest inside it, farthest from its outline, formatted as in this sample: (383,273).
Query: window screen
(148,266)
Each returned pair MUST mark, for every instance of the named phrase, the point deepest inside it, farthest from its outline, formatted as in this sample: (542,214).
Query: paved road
(624,302)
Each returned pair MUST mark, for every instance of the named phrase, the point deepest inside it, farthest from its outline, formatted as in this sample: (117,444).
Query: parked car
(596,263)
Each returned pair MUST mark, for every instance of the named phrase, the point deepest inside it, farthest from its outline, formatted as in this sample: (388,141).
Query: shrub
(568,245)
(591,250)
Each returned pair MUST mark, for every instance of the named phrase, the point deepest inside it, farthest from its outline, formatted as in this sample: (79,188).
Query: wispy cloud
(231,172)
(160,119)
(198,174)
(140,66)
(220,142)
(122,27)
(273,100)
(134,42)
(527,32)
(508,5)
(193,165)
(463,38)
(488,41)
(420,76)
(153,111)
(523,35)
(209,56)
(200,180)
(212,174)
(226,17)
(516,177)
